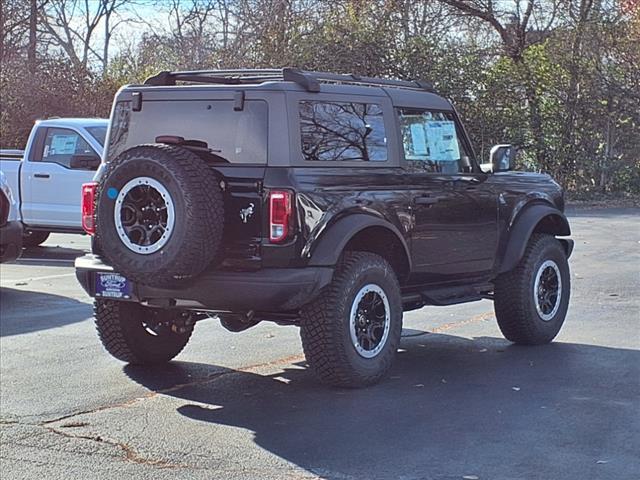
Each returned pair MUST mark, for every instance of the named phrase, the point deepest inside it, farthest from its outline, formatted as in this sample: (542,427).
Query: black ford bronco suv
(330,202)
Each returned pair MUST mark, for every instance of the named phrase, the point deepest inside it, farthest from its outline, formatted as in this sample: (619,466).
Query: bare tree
(519,23)
(14,25)
(512,22)
(197,30)
(73,26)
(110,9)
(579,12)
(33,17)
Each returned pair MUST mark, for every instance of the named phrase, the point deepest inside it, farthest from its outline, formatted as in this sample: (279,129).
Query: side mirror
(84,162)
(502,158)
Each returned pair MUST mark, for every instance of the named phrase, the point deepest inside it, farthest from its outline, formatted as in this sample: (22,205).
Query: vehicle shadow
(24,311)
(50,256)
(450,407)
(599,211)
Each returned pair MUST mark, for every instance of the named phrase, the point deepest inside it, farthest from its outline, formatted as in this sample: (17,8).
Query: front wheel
(350,334)
(141,335)
(531,301)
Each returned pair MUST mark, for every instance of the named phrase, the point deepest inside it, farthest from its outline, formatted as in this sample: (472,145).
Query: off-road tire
(325,323)
(514,301)
(122,333)
(34,238)
(199,215)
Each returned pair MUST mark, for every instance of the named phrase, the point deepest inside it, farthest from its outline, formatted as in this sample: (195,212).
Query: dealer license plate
(112,285)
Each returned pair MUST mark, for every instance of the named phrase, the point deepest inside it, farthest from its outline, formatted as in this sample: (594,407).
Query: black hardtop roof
(310,81)
(402,92)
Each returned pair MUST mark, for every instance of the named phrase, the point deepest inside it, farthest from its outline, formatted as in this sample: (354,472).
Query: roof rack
(310,81)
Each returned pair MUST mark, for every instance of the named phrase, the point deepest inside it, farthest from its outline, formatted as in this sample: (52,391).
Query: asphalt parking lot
(460,403)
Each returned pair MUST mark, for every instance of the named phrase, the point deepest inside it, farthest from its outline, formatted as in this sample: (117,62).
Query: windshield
(99,133)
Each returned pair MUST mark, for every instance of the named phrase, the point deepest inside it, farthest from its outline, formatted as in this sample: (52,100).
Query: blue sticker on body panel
(112,193)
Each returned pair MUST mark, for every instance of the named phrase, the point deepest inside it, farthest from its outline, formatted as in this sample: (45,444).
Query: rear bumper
(10,241)
(266,290)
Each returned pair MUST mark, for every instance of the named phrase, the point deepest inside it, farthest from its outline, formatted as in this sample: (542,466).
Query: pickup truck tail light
(88,207)
(4,209)
(280,215)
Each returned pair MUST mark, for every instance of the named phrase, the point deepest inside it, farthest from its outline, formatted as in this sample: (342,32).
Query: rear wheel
(141,335)
(531,301)
(159,214)
(350,334)
(33,238)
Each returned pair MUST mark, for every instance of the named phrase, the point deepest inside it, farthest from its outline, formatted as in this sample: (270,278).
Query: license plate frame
(112,285)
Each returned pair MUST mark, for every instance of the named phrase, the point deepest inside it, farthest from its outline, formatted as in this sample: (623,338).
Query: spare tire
(159,214)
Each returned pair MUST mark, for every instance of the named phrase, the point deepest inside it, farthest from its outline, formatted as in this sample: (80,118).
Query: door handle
(41,175)
(426,200)
(468,182)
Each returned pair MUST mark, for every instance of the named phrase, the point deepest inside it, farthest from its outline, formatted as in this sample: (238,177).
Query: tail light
(4,209)
(279,215)
(88,206)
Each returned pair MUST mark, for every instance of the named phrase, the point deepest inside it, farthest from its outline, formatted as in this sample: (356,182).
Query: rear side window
(342,132)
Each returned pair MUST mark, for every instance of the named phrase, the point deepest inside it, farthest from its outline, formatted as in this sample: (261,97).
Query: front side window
(431,143)
(341,132)
(61,144)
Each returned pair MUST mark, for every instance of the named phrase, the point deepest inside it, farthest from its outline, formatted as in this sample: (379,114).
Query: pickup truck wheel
(159,215)
(141,335)
(531,301)
(350,334)
(33,238)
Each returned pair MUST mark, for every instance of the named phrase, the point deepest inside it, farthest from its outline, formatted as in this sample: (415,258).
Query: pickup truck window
(431,143)
(333,131)
(61,144)
(99,133)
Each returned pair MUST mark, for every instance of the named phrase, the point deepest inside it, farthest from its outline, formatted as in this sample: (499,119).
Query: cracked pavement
(460,400)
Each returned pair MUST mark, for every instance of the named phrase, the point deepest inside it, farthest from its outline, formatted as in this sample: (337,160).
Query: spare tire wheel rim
(547,290)
(370,321)
(144,215)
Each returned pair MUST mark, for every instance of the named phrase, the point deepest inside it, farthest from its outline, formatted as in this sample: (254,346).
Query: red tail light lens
(279,215)
(88,202)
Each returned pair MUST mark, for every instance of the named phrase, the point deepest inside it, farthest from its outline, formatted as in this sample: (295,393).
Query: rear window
(229,136)
(99,133)
(340,132)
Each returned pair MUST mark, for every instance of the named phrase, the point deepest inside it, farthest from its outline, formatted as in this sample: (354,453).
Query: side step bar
(447,296)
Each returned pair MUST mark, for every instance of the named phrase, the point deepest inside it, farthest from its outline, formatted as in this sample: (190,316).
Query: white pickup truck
(46,178)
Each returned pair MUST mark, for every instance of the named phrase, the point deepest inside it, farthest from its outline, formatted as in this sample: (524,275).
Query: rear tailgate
(243,216)
(231,138)
(10,164)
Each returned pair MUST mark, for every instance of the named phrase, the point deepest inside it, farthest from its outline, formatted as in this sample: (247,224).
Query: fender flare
(331,242)
(523,227)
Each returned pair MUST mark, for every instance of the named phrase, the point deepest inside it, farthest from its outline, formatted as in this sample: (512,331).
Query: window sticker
(419,139)
(442,141)
(63,144)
